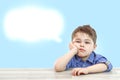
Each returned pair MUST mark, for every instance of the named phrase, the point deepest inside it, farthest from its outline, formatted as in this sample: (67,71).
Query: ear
(95,46)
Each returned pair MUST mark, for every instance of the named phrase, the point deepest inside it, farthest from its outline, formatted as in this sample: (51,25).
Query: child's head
(87,29)
(84,38)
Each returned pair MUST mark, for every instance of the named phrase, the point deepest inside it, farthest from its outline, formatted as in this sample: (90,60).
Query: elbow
(109,68)
(58,68)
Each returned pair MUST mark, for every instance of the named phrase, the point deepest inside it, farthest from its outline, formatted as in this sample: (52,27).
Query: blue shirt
(94,58)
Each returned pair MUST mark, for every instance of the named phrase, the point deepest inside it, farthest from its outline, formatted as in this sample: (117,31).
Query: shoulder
(99,57)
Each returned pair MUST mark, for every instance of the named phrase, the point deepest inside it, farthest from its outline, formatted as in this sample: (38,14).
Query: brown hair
(86,29)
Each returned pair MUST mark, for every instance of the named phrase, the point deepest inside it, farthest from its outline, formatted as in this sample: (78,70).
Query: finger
(74,72)
(70,45)
(79,72)
(73,40)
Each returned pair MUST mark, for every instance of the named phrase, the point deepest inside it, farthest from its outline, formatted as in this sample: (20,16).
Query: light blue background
(102,15)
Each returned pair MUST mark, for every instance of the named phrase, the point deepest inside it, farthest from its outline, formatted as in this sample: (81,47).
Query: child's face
(84,44)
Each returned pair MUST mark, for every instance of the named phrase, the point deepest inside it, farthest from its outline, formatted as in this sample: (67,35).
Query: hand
(73,47)
(79,71)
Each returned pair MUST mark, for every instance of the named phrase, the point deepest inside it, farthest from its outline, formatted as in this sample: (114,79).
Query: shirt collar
(90,58)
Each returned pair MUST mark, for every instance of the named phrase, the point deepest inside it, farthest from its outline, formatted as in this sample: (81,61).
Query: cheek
(90,49)
(76,44)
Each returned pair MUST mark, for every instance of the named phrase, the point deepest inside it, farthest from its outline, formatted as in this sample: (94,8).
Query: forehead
(80,35)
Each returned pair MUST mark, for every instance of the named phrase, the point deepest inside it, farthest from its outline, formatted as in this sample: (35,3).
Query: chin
(82,56)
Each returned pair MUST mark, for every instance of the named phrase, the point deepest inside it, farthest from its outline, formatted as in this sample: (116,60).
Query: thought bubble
(32,24)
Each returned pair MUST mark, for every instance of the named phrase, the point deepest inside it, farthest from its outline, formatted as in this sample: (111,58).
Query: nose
(81,44)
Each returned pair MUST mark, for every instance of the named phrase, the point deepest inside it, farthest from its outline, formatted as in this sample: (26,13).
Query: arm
(61,63)
(100,67)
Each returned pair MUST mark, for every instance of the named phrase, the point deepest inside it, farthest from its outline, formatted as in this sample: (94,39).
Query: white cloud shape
(32,24)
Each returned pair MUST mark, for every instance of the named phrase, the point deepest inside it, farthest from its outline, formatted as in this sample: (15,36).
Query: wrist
(74,51)
(87,70)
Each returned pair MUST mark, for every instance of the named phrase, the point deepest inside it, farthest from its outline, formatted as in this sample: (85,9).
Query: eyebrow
(77,39)
(85,39)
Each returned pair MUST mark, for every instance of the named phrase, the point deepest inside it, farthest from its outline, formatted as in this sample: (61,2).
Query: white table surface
(50,74)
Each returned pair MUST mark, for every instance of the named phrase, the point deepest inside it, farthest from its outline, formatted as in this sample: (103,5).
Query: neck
(84,58)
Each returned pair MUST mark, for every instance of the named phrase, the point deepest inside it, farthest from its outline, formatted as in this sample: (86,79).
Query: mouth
(82,50)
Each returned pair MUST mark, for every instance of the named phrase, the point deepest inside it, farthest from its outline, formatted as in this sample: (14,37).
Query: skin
(82,45)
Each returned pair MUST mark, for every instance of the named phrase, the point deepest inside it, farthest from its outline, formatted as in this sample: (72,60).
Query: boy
(81,57)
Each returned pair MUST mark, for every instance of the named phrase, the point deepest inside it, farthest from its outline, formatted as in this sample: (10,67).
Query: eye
(77,41)
(87,42)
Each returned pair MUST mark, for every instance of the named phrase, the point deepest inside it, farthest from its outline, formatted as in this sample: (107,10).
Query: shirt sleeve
(102,59)
(69,65)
